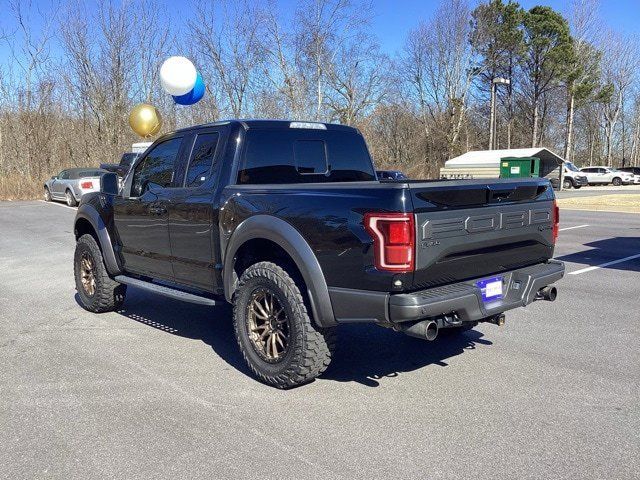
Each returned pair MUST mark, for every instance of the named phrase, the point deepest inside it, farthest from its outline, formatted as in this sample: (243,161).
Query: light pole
(493,135)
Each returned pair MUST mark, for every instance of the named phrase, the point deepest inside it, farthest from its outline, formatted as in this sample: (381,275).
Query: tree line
(563,80)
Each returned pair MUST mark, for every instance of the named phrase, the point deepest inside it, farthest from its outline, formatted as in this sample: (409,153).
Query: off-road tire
(70,199)
(310,348)
(47,194)
(109,294)
(617,181)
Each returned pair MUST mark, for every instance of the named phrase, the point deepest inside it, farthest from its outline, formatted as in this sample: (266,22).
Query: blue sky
(394,18)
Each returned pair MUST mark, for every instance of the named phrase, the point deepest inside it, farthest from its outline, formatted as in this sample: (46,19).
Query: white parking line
(58,204)
(571,228)
(613,262)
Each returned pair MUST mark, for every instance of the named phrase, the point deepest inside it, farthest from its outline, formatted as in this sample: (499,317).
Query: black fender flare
(286,236)
(90,214)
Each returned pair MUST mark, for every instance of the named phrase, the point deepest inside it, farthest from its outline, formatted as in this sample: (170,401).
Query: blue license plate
(491,288)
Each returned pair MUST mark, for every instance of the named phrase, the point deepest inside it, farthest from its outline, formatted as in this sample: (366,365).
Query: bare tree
(227,39)
(324,25)
(28,85)
(439,68)
(357,81)
(583,75)
(620,68)
(283,69)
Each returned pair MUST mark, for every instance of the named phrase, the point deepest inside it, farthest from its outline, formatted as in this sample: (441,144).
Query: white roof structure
(140,147)
(491,158)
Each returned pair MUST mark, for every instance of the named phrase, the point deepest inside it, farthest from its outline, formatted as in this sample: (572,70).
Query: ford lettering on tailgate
(470,224)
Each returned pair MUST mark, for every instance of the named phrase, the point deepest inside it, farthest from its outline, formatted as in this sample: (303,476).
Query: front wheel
(617,182)
(277,338)
(567,184)
(47,194)
(96,290)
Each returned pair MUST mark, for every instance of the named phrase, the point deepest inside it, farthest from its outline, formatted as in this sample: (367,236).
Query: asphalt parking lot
(159,390)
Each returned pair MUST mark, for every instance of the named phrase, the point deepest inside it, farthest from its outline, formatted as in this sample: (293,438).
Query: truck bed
(463,229)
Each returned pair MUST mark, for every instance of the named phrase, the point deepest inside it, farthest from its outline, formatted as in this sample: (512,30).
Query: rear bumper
(79,192)
(464,298)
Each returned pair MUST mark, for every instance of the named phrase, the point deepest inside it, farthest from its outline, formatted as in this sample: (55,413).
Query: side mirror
(55,177)
(109,184)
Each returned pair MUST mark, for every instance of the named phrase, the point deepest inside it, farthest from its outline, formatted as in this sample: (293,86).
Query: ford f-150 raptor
(288,222)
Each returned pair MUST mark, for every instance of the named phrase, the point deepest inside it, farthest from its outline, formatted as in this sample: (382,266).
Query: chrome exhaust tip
(425,329)
(431,331)
(548,293)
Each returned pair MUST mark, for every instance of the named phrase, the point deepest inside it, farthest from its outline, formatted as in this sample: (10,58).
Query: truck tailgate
(471,229)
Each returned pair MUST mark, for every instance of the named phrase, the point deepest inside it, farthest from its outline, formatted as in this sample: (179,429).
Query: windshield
(571,166)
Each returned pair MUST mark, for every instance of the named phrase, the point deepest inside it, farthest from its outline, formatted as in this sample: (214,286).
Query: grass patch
(20,187)
(622,203)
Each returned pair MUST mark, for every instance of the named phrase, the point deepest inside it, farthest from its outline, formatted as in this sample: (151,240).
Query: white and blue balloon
(180,79)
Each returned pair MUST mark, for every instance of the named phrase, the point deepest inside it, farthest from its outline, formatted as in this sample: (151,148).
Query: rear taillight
(556,221)
(86,184)
(393,240)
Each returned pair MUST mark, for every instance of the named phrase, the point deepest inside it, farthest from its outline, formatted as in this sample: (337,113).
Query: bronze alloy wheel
(268,325)
(88,276)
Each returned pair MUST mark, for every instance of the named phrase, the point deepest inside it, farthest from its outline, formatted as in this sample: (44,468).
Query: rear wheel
(71,200)
(277,338)
(617,181)
(47,194)
(97,291)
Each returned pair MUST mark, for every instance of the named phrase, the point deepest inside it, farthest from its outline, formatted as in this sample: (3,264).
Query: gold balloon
(145,120)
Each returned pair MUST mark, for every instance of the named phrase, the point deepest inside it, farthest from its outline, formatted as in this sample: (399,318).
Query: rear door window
(202,158)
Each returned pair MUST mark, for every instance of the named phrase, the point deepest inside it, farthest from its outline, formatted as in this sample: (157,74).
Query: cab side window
(64,175)
(157,168)
(202,157)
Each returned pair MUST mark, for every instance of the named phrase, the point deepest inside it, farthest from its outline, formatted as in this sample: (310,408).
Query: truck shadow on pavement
(607,250)
(365,353)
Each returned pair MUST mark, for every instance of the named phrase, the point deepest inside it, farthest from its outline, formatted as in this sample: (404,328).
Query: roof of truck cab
(266,123)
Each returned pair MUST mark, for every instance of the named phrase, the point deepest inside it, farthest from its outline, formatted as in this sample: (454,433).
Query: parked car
(287,221)
(122,168)
(607,175)
(573,177)
(391,175)
(71,184)
(635,171)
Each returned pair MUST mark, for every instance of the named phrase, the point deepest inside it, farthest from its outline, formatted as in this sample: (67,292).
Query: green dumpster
(517,167)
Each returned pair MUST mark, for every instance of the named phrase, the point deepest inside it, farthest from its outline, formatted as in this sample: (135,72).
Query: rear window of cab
(304,156)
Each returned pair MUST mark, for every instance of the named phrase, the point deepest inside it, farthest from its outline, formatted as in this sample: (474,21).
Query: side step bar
(165,291)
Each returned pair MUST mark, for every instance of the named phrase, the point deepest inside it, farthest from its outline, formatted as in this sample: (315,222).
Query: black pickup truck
(288,222)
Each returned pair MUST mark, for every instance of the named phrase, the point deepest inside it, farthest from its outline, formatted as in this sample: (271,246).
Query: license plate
(491,288)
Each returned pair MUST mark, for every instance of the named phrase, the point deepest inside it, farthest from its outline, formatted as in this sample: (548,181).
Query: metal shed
(486,163)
